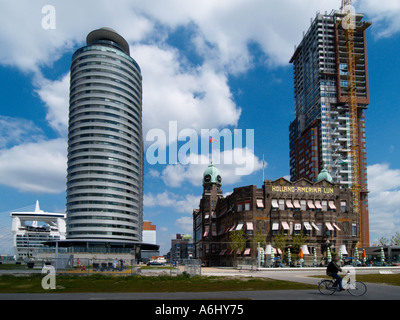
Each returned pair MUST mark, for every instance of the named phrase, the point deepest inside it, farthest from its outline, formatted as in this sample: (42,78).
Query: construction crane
(349,24)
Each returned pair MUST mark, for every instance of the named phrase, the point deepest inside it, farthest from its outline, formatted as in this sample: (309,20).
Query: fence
(192,267)
(67,264)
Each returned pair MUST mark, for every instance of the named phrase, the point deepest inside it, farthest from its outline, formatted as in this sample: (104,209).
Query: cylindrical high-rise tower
(105,144)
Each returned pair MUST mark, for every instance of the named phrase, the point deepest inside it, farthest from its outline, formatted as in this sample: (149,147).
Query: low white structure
(31,229)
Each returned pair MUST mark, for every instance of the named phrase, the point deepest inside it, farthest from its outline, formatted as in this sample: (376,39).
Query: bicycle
(355,288)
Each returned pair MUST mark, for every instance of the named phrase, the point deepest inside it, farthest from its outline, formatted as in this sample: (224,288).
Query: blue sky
(205,64)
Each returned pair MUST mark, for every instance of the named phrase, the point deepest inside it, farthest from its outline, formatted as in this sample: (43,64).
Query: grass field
(182,283)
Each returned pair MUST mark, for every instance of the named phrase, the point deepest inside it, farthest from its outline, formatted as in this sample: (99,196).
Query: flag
(211,140)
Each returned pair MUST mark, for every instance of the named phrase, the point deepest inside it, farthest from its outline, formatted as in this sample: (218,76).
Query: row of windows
(103,233)
(102,92)
(78,151)
(304,205)
(101,225)
(100,128)
(99,63)
(114,123)
(94,187)
(96,68)
(105,158)
(105,181)
(105,86)
(101,195)
(83,76)
(106,46)
(75,146)
(109,49)
(110,173)
(92,217)
(317,229)
(98,77)
(107,203)
(83,101)
(102,136)
(82,110)
(104,165)
(79,118)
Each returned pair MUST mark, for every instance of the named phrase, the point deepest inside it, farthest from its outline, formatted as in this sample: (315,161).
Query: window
(324,205)
(354,229)
(281,204)
(343,206)
(239,207)
(274,204)
(303,205)
(247,206)
(320,227)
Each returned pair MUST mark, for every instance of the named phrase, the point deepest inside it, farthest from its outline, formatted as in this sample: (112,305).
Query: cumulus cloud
(383,200)
(55,95)
(384,15)
(15,131)
(30,46)
(38,167)
(194,97)
(185,224)
(177,203)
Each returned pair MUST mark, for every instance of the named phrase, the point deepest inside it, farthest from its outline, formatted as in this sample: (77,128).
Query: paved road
(375,291)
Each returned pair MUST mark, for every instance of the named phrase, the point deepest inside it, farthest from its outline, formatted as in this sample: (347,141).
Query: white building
(149,232)
(31,229)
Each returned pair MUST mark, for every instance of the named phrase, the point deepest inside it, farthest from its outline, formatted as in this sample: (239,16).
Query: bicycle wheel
(357,288)
(326,287)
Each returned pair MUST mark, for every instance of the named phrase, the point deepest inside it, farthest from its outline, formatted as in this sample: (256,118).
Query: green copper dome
(324,174)
(212,175)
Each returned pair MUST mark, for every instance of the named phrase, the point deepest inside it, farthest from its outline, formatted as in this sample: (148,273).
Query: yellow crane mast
(349,27)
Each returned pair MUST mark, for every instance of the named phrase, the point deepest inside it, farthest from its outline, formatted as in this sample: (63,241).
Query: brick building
(322,211)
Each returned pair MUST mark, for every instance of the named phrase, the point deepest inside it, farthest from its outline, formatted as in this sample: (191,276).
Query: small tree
(395,239)
(237,242)
(258,238)
(281,240)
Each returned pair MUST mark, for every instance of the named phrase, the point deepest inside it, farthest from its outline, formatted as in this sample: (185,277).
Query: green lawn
(182,283)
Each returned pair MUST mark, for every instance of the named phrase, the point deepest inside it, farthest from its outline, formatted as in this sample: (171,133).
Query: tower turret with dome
(324,174)
(212,192)
(212,176)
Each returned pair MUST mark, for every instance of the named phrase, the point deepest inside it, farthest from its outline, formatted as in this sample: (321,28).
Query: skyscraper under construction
(331,95)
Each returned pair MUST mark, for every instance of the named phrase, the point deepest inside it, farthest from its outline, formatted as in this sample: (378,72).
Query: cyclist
(332,271)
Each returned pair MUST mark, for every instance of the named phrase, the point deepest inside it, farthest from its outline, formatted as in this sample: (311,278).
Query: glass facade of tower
(105,144)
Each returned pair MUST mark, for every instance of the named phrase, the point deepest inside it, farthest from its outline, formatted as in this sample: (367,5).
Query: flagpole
(211,151)
(263,169)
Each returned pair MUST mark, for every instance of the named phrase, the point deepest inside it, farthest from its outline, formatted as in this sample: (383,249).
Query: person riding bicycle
(332,271)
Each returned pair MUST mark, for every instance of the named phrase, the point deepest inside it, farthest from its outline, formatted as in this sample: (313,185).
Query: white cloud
(177,203)
(29,46)
(173,91)
(15,131)
(55,95)
(185,225)
(384,16)
(38,167)
(383,200)
(223,29)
